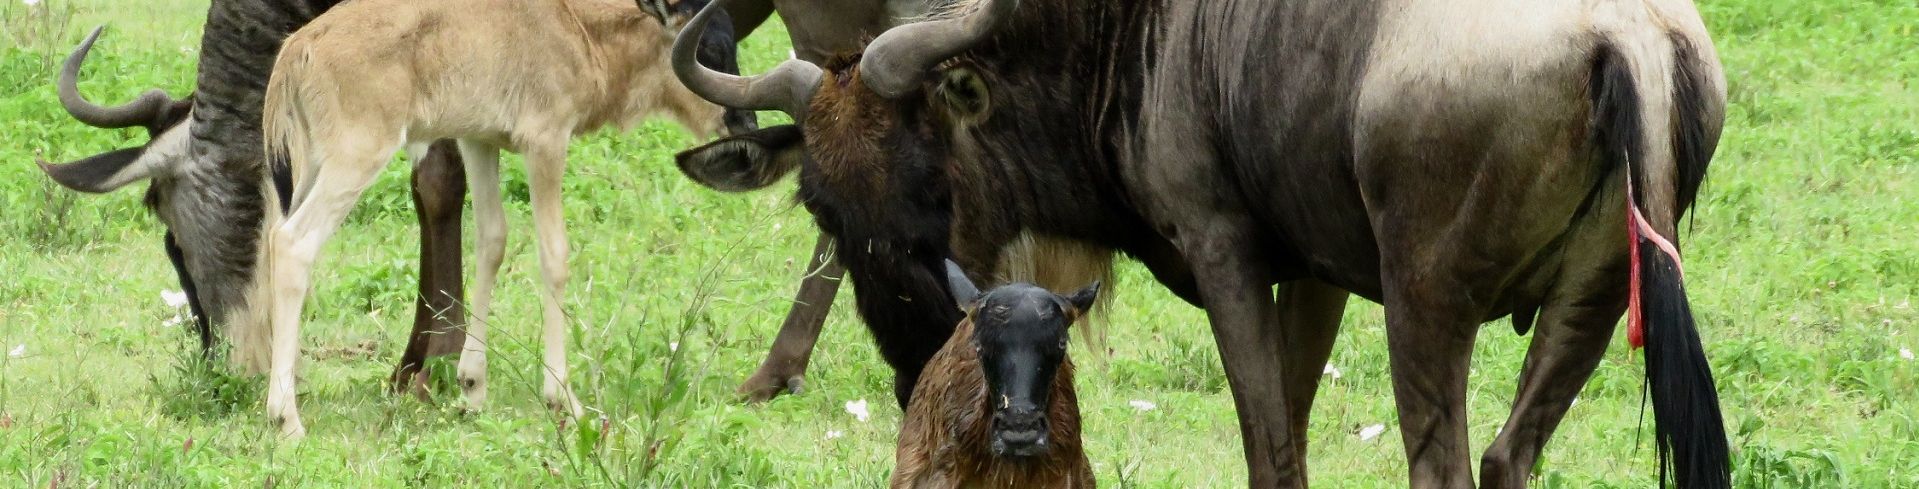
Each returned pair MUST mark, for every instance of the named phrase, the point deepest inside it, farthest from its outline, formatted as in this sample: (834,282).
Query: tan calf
(372,76)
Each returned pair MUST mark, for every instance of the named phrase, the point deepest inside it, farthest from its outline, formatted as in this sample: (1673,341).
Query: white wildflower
(1370,432)
(858,410)
(1905,353)
(1332,371)
(173,298)
(31,3)
(831,434)
(674,346)
(18,351)
(1142,405)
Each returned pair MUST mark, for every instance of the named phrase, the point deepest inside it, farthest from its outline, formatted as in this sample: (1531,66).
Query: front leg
(489,249)
(784,369)
(545,164)
(1239,304)
(1309,313)
(439,191)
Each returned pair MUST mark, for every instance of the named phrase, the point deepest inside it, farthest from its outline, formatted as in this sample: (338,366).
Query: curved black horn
(149,110)
(896,61)
(788,88)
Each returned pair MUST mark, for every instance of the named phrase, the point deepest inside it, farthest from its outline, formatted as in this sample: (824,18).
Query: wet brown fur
(945,438)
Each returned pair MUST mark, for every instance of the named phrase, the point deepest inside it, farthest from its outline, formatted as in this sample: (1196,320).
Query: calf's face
(717,49)
(1020,335)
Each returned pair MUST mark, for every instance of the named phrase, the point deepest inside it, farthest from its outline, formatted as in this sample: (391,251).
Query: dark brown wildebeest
(817,28)
(1457,162)
(205,165)
(996,407)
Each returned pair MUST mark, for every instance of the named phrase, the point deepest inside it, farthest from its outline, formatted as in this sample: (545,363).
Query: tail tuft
(1687,426)
(1689,432)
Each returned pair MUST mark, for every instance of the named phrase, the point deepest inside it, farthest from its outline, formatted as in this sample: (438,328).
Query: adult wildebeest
(495,75)
(204,162)
(1456,161)
(818,29)
(997,407)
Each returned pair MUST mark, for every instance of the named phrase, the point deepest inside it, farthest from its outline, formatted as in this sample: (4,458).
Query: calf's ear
(962,288)
(1082,300)
(745,162)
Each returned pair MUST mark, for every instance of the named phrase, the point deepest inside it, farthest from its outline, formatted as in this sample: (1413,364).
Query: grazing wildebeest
(996,406)
(1456,161)
(204,163)
(362,80)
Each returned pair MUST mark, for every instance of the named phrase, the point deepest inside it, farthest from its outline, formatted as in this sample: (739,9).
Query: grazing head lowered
(996,406)
(203,158)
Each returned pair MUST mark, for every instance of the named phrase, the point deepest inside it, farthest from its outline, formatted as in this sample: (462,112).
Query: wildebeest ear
(106,172)
(965,94)
(1082,300)
(745,162)
(964,292)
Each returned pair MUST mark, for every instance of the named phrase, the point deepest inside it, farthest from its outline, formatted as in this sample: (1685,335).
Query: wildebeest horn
(896,61)
(149,110)
(788,88)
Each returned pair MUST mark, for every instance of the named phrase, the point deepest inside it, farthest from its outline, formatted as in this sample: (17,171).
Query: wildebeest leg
(489,249)
(545,164)
(290,250)
(1429,332)
(748,15)
(439,191)
(1309,313)
(1575,323)
(784,369)
(1239,304)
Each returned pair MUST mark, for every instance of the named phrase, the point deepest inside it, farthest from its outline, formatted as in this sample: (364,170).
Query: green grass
(1803,269)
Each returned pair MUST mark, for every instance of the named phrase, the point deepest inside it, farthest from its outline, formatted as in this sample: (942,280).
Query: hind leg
(1575,324)
(545,164)
(1430,327)
(290,250)
(489,249)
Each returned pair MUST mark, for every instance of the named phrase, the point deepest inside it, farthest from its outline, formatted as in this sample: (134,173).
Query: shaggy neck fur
(947,436)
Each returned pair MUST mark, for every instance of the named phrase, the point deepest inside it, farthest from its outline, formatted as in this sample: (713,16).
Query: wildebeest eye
(965,93)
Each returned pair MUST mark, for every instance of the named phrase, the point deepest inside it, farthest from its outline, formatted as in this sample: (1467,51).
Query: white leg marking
(545,166)
(291,249)
(489,248)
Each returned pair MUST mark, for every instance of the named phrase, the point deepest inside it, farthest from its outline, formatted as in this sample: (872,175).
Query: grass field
(1803,269)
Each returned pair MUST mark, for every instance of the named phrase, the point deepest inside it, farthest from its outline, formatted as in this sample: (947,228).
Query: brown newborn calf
(996,406)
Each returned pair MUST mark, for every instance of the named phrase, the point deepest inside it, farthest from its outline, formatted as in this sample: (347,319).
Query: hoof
(415,383)
(759,388)
(475,392)
(291,429)
(564,406)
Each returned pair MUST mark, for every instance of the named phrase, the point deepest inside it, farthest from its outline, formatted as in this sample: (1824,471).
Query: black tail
(1689,431)
(1685,404)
